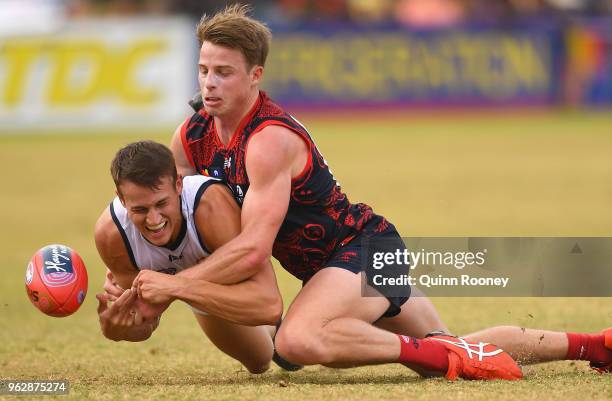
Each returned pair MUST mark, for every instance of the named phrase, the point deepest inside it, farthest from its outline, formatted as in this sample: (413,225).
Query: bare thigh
(333,293)
(330,323)
(252,346)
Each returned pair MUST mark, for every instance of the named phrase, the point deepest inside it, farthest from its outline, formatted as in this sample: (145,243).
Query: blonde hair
(233,28)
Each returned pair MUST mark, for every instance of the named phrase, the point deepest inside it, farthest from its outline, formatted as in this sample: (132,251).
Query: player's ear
(179,183)
(257,74)
(120,196)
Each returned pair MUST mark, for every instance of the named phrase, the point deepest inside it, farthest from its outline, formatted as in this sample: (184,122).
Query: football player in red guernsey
(293,209)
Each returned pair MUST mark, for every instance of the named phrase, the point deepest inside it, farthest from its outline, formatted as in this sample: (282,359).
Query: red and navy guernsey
(320,219)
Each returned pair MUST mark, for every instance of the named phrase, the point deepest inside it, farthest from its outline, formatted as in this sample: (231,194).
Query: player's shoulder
(197,180)
(195,186)
(275,138)
(273,150)
(214,193)
(106,233)
(111,246)
(216,208)
(195,125)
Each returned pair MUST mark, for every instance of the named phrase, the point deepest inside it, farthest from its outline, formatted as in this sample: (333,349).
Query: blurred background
(99,64)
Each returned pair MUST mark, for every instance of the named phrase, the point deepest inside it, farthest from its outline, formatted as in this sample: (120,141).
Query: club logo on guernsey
(239,194)
(215,172)
(168,270)
(57,266)
(172,258)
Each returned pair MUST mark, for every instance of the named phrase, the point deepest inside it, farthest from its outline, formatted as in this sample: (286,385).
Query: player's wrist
(176,289)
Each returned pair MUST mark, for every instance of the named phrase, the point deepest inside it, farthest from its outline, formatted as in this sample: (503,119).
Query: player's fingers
(121,301)
(102,300)
(136,287)
(136,283)
(127,318)
(112,289)
(111,278)
(127,303)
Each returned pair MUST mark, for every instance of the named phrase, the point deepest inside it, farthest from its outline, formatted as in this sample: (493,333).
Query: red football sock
(587,347)
(430,355)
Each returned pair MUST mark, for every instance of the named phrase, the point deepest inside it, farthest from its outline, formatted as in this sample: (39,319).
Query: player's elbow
(267,311)
(274,311)
(256,259)
(268,314)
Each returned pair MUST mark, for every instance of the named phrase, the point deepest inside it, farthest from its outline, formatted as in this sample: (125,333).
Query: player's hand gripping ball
(56,280)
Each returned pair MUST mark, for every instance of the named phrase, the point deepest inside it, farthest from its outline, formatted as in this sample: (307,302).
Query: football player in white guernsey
(157,228)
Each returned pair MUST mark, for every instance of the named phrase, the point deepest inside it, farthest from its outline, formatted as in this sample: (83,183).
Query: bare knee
(257,368)
(301,347)
(255,361)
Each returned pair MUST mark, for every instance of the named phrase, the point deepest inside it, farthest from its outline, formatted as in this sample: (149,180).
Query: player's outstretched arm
(112,250)
(117,321)
(253,302)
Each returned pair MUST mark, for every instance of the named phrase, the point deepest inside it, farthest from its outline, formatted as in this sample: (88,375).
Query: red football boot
(604,367)
(482,361)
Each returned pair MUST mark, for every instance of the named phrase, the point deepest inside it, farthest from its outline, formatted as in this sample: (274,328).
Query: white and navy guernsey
(186,251)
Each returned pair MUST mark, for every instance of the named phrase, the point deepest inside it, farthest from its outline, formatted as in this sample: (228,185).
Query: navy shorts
(351,256)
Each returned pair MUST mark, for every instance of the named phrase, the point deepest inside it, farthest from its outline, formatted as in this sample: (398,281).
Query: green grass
(515,175)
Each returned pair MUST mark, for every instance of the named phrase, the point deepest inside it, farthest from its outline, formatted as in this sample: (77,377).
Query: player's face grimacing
(226,81)
(156,212)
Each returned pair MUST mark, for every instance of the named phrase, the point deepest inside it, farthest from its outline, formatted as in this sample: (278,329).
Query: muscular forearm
(247,303)
(230,264)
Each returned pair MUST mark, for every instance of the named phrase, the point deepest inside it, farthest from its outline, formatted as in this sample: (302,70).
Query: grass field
(502,175)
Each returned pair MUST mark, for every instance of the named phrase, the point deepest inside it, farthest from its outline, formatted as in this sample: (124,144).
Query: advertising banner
(335,66)
(98,75)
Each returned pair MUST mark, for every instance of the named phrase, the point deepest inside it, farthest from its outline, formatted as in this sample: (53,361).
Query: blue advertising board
(338,66)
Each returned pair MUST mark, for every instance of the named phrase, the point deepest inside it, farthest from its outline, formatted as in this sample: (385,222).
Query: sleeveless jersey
(320,219)
(188,249)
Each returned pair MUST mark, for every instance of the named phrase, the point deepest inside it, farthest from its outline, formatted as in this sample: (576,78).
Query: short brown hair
(233,28)
(143,163)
